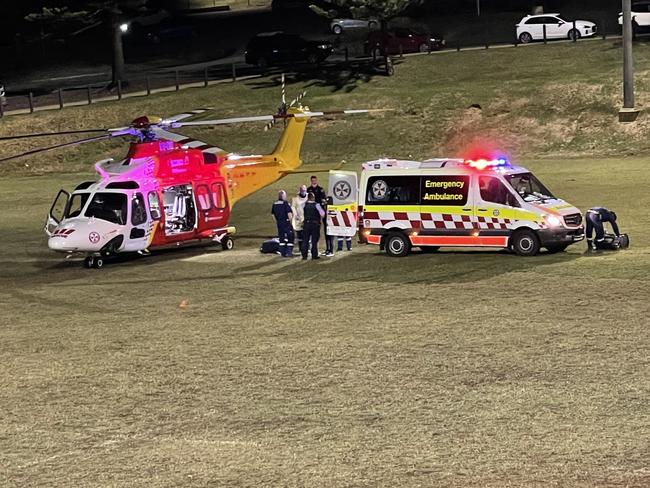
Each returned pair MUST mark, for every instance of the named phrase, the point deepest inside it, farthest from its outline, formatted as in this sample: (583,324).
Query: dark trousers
(329,240)
(594,223)
(285,235)
(310,236)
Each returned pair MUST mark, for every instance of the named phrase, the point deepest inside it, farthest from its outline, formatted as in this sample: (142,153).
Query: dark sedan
(277,48)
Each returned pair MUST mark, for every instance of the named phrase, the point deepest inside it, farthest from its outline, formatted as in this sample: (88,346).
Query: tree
(383,10)
(93,12)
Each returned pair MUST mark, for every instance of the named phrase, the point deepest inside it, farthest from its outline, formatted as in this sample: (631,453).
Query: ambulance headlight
(553,221)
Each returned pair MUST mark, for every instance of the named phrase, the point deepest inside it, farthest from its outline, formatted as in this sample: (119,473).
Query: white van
(451,202)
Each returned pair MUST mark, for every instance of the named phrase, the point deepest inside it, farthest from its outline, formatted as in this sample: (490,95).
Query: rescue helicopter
(169,189)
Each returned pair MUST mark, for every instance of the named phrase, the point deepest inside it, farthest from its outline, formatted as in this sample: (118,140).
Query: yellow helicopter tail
(287,150)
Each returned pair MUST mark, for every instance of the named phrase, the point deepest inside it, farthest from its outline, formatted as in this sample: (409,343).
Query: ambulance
(436,203)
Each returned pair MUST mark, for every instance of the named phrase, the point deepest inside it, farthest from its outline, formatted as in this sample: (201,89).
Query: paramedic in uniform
(321,198)
(314,214)
(281,210)
(297,205)
(595,218)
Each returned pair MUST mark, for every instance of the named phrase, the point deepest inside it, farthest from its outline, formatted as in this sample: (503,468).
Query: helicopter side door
(57,211)
(212,205)
(140,225)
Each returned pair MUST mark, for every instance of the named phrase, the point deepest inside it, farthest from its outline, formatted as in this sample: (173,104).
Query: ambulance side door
(343,211)
(495,208)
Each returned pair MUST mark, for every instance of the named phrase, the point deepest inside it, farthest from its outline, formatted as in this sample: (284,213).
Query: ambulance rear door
(343,211)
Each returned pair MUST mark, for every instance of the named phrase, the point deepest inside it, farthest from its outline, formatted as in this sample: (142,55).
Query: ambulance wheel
(429,249)
(99,263)
(524,242)
(88,262)
(397,245)
(227,243)
(555,248)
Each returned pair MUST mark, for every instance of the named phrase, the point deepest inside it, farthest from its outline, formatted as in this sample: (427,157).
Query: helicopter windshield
(111,207)
(76,205)
(529,187)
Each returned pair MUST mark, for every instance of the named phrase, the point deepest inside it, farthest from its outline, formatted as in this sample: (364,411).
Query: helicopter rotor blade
(45,134)
(57,146)
(268,118)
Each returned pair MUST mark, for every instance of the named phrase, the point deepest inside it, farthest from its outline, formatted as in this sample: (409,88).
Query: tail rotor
(283,108)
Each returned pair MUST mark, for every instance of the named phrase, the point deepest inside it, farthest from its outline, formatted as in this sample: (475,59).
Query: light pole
(628,113)
(478,8)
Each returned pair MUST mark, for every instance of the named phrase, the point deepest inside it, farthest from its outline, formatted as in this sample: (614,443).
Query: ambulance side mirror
(155,214)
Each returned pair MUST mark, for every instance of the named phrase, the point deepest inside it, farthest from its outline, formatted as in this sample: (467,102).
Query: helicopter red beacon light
(169,189)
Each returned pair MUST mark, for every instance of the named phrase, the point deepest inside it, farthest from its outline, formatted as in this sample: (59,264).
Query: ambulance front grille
(573,220)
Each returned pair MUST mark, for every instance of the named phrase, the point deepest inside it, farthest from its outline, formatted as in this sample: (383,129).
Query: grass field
(463,369)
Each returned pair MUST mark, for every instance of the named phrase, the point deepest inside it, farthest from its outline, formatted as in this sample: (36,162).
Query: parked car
(640,17)
(337,26)
(395,41)
(531,28)
(275,48)
(3,98)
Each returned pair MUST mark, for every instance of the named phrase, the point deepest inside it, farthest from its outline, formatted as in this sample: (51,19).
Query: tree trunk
(118,49)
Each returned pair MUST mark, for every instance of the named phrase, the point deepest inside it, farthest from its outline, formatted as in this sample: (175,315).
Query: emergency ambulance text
(444,184)
(444,190)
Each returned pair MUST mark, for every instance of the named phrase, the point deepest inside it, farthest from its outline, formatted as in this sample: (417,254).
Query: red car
(389,42)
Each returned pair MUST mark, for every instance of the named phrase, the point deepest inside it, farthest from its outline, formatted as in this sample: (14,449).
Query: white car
(640,16)
(337,26)
(531,28)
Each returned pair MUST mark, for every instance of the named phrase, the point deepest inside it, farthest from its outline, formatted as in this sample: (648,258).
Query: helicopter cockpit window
(154,205)
(138,210)
(76,205)
(111,207)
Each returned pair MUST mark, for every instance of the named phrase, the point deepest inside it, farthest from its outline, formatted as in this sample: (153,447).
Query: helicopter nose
(61,240)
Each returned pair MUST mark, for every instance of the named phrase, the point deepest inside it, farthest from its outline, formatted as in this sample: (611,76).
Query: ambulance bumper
(560,236)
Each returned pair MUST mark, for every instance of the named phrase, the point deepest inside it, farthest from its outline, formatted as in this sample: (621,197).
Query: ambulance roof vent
(441,162)
(391,164)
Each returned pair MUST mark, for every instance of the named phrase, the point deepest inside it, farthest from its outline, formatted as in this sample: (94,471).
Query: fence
(176,80)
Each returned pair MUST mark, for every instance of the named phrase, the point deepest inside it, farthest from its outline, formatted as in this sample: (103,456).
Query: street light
(124,28)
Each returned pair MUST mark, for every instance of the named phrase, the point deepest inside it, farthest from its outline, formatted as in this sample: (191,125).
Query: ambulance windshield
(111,207)
(529,187)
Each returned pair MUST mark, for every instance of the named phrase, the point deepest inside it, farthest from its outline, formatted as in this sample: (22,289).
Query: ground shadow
(338,77)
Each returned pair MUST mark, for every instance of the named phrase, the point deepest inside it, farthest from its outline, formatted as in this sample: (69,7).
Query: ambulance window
(218,196)
(76,205)
(398,190)
(138,210)
(154,205)
(203,197)
(494,191)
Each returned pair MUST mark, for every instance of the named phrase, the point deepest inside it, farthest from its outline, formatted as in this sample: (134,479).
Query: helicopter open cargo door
(57,211)
(342,211)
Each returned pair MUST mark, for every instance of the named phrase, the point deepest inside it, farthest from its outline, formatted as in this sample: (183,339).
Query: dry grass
(456,369)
